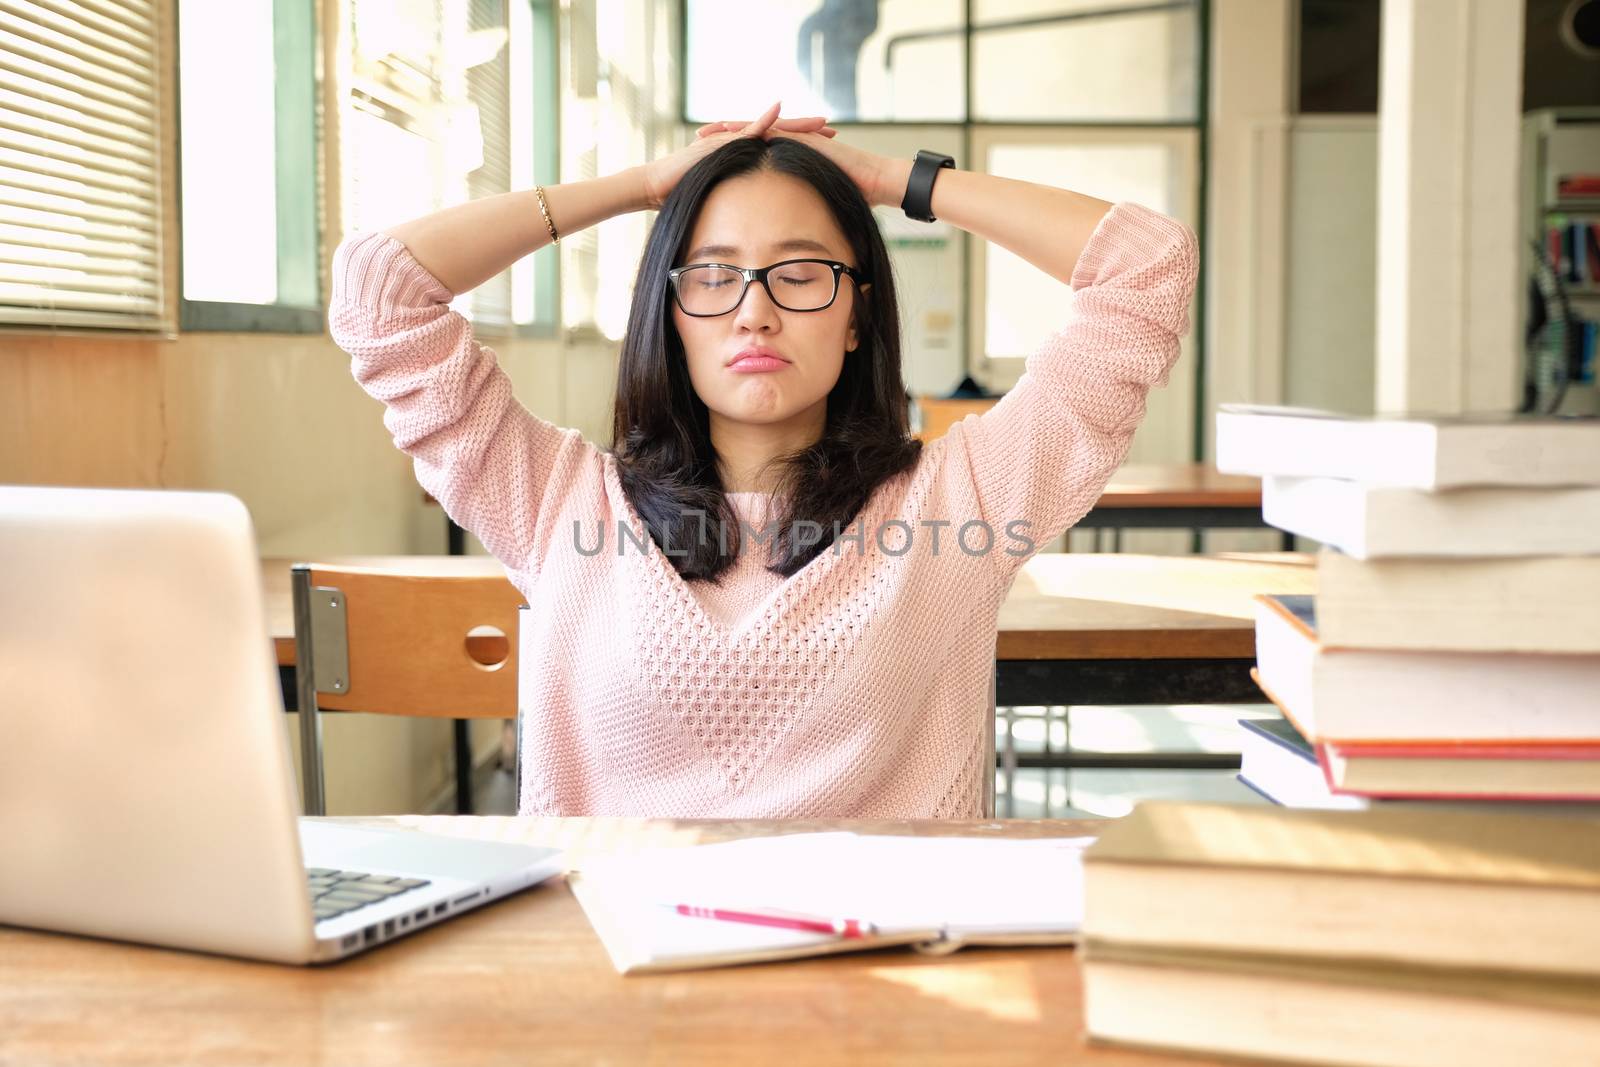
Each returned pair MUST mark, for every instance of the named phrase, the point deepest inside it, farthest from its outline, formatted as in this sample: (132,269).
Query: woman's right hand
(662,175)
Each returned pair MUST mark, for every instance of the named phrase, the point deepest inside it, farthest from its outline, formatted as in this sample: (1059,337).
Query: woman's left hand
(881,181)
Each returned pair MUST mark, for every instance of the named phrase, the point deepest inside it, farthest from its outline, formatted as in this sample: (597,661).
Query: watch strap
(918,202)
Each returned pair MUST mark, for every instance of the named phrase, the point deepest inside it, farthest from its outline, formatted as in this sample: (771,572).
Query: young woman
(764,599)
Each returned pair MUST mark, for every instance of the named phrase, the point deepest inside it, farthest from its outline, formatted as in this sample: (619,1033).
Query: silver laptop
(147,789)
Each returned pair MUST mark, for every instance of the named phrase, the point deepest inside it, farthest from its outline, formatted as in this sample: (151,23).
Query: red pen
(787,920)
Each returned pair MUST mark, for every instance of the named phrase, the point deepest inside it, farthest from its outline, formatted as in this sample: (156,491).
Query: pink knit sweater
(859,687)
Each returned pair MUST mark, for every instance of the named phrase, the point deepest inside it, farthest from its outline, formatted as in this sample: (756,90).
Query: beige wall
(278,421)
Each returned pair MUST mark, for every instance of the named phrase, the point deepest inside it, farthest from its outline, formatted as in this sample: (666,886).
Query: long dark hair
(661,433)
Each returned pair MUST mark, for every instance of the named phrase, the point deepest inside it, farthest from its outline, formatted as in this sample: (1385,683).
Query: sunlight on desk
(1004,992)
(1222,585)
(577,837)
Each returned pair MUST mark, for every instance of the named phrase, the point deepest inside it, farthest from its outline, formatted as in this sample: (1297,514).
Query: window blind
(80,167)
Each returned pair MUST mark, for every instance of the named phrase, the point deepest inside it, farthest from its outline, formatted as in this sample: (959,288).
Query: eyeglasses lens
(800,286)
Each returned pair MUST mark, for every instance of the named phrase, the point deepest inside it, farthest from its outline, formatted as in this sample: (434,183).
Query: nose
(756,308)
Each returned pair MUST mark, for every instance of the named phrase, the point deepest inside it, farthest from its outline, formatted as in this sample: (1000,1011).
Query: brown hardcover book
(1548,604)
(1316,1011)
(1417,696)
(1506,892)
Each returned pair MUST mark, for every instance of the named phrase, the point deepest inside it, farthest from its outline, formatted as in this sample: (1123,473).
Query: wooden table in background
(1062,606)
(1192,496)
(1119,628)
(1166,496)
(526,980)
(1077,628)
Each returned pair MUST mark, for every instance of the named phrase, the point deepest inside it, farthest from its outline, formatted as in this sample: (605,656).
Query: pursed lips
(756,351)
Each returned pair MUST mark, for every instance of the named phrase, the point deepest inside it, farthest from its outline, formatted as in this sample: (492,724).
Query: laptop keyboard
(336,892)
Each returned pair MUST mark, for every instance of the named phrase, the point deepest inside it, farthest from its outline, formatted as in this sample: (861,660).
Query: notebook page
(962,886)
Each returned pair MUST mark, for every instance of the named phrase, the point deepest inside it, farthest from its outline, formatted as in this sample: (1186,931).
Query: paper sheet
(965,887)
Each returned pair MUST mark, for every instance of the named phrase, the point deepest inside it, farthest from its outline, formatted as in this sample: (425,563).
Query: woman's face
(755,220)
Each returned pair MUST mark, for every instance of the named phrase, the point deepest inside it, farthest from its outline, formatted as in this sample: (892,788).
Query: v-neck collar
(754,620)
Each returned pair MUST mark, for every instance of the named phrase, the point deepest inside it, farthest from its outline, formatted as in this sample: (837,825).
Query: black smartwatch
(918,203)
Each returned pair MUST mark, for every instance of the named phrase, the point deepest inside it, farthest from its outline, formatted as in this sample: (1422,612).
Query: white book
(1369,521)
(1277,762)
(1393,696)
(1517,604)
(1414,451)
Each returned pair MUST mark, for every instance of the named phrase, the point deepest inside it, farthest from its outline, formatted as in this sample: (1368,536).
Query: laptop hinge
(330,644)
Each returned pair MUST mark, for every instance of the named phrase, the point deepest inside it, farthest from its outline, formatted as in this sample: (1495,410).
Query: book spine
(1516,798)
(1465,750)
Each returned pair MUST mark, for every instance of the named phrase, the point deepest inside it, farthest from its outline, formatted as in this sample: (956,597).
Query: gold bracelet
(538,191)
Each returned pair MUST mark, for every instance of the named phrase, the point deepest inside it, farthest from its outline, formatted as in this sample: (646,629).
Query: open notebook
(935,893)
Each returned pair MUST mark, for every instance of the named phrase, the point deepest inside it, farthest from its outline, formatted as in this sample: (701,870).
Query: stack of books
(1403,937)
(1452,651)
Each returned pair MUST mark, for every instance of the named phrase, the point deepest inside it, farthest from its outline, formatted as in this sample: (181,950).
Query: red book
(1578,185)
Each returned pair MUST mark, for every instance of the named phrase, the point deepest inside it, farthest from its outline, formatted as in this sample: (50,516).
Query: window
(852,60)
(906,60)
(80,190)
(1101,96)
(619,110)
(248,166)
(446,101)
(1151,167)
(1083,61)
(1016,307)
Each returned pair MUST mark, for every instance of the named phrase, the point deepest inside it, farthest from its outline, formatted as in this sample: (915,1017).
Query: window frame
(546,113)
(974,360)
(296,159)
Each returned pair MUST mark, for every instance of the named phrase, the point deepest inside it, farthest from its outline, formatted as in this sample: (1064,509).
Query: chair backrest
(394,643)
(941,413)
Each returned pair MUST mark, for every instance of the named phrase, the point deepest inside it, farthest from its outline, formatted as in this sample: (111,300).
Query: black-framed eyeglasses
(708,289)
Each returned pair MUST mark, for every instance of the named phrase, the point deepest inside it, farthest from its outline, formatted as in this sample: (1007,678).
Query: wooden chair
(360,646)
(940,413)
(398,644)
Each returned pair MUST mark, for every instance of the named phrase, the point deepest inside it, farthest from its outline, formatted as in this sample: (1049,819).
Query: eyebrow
(793,244)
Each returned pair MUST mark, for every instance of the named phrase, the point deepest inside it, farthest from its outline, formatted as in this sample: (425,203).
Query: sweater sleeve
(495,467)
(1040,457)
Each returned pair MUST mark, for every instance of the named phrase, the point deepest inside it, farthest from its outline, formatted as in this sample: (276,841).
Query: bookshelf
(1557,142)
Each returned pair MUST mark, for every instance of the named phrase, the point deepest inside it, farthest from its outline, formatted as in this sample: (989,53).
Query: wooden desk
(1193,496)
(1138,486)
(1062,606)
(1077,628)
(526,981)
(1121,606)
(1131,629)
